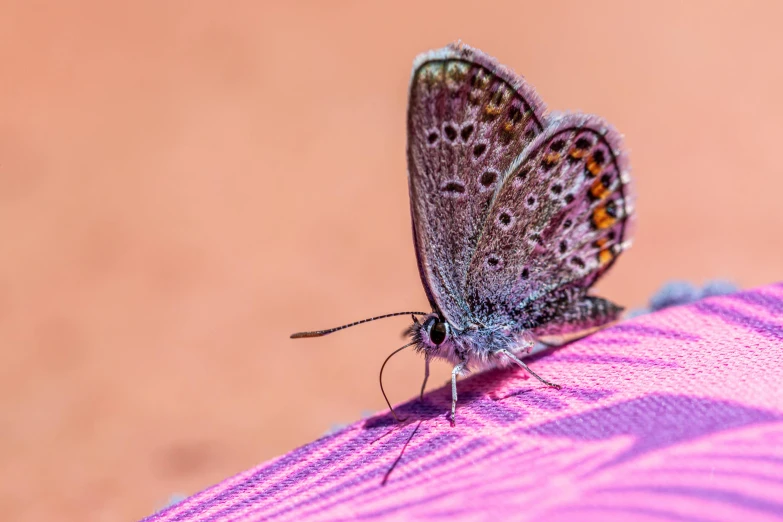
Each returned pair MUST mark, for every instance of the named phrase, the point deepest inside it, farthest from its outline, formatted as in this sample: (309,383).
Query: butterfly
(516,214)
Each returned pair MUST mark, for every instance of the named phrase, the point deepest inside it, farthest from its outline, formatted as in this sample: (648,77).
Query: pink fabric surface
(675,415)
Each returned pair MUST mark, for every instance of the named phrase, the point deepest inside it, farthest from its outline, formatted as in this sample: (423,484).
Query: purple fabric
(675,415)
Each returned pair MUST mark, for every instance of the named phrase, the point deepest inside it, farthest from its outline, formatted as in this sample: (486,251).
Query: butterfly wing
(557,224)
(468,119)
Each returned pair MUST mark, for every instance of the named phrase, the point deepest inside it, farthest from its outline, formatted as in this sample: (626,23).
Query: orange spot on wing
(551,159)
(492,110)
(509,126)
(605,255)
(578,153)
(602,219)
(593,167)
(598,190)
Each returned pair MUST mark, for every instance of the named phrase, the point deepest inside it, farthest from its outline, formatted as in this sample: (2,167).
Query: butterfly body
(516,213)
(478,346)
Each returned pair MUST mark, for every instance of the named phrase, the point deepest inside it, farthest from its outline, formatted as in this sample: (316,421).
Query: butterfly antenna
(319,333)
(380,378)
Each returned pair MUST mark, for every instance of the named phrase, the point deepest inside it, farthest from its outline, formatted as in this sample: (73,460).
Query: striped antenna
(319,333)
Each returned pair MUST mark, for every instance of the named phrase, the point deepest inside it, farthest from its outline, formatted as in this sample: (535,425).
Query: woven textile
(675,415)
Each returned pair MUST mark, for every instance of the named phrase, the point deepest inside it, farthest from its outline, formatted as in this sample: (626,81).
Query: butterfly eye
(438,333)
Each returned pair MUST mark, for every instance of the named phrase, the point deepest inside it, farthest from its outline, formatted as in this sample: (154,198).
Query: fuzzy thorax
(480,347)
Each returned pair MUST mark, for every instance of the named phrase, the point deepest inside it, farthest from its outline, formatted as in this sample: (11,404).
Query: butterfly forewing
(468,119)
(556,225)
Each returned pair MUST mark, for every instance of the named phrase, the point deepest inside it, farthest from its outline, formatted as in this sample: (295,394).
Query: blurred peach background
(184,184)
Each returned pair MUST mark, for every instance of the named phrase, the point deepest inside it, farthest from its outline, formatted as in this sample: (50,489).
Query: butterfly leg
(527,368)
(456,371)
(426,376)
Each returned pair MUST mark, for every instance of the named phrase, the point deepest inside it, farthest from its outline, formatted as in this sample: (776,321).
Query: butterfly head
(431,333)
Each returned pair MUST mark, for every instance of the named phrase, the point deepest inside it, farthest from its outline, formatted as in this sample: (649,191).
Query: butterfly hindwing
(468,119)
(573,318)
(555,226)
